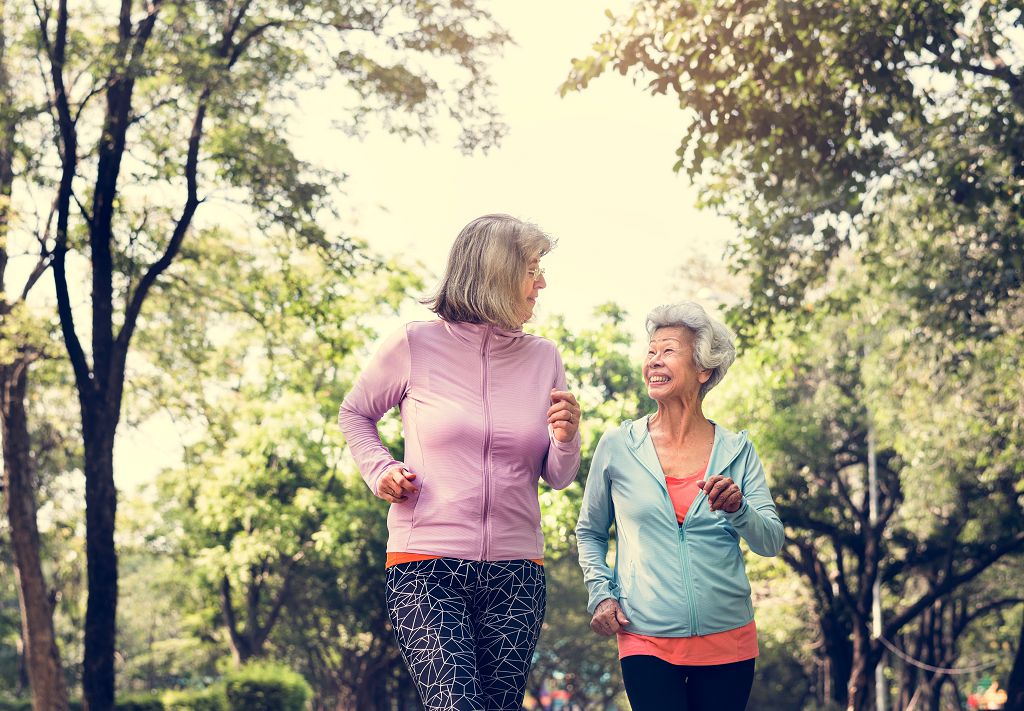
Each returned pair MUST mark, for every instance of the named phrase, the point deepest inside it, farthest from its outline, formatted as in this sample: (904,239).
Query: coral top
(720,648)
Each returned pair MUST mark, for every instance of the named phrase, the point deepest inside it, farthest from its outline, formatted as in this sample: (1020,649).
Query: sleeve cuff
(604,592)
(570,446)
(380,475)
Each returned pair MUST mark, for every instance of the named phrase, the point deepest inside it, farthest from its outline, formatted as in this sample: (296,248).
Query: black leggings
(653,684)
(467,629)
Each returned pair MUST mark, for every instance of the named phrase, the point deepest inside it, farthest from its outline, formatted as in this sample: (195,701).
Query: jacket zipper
(681,553)
(487,447)
(685,558)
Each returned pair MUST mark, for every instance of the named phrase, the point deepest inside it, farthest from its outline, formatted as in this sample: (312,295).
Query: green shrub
(139,702)
(136,702)
(211,699)
(266,687)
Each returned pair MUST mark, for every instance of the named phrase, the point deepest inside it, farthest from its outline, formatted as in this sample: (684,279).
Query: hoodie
(474,401)
(672,580)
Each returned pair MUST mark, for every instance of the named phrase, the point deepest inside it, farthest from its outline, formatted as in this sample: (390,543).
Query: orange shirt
(719,648)
(396,558)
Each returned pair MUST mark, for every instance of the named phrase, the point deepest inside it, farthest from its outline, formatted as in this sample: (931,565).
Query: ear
(704,376)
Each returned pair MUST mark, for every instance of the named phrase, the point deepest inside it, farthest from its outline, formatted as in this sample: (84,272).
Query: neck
(679,420)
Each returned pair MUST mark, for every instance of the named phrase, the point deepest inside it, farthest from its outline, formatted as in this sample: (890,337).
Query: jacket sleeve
(756,520)
(381,386)
(597,513)
(562,463)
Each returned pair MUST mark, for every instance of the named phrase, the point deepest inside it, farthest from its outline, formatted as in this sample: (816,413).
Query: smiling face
(669,369)
(533,281)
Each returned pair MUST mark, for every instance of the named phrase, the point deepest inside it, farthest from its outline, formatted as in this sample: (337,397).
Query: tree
(883,138)
(193,96)
(809,123)
(283,543)
(1015,686)
(23,341)
(947,481)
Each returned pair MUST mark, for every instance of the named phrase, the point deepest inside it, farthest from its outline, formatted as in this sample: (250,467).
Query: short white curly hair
(713,347)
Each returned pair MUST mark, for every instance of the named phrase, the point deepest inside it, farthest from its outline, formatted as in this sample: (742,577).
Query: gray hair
(486,266)
(712,340)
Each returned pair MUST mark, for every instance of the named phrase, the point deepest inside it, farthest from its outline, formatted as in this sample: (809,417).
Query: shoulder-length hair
(486,267)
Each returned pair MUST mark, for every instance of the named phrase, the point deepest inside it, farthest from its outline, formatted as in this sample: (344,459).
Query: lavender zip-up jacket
(474,401)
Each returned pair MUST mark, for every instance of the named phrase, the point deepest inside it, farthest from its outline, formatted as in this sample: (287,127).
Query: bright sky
(594,169)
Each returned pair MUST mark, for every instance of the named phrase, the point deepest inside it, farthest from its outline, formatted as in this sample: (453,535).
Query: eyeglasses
(535,274)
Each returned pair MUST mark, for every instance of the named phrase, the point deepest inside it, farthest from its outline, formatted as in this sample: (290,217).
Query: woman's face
(669,370)
(533,281)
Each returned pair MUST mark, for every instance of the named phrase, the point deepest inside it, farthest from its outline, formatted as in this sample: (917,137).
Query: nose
(541,282)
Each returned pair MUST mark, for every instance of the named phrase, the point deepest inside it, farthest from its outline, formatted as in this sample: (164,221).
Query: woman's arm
(597,514)
(562,463)
(381,386)
(756,520)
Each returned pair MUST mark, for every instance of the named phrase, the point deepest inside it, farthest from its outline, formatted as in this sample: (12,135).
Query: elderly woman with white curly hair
(681,490)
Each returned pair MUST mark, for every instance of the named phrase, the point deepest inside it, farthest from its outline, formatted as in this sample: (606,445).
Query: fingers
(620,617)
(564,415)
(723,493)
(563,396)
(608,618)
(733,501)
(396,485)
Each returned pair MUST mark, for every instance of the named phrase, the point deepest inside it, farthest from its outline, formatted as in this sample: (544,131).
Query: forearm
(760,527)
(562,463)
(363,440)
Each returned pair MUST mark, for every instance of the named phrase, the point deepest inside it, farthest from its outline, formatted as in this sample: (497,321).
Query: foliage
(947,449)
(273,520)
(811,124)
(151,111)
(211,699)
(604,373)
(140,702)
(266,687)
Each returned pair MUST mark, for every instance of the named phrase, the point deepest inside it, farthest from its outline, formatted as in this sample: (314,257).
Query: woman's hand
(723,493)
(608,618)
(396,485)
(564,415)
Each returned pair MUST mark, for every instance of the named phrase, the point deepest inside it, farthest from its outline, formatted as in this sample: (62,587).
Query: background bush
(266,687)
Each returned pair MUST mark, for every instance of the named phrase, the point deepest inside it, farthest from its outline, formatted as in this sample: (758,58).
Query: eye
(670,350)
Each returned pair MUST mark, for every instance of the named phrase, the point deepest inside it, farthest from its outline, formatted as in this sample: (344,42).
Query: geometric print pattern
(467,629)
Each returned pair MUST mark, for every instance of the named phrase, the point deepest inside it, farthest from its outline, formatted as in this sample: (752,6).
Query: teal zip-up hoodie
(672,580)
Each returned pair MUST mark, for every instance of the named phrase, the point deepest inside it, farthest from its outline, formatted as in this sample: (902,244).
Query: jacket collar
(724,450)
(475,334)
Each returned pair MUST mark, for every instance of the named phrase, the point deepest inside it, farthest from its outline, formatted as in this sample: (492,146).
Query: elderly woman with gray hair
(486,414)
(681,490)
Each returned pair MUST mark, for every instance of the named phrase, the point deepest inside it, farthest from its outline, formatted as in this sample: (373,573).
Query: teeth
(658,379)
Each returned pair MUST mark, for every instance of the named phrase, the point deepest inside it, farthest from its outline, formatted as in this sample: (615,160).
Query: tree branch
(68,146)
(951,582)
(174,245)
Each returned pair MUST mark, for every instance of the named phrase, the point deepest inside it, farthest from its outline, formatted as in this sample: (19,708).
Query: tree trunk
(46,676)
(860,684)
(839,657)
(1015,686)
(100,516)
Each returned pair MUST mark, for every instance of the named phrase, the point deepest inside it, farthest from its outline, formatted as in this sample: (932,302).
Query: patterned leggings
(467,629)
